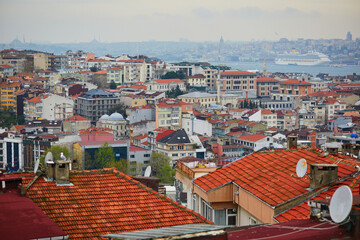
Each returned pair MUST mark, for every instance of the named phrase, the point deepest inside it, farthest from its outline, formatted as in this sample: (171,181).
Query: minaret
(264,70)
(221,45)
(218,87)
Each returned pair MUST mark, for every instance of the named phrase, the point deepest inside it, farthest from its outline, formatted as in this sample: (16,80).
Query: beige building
(204,99)
(269,117)
(42,61)
(198,79)
(75,123)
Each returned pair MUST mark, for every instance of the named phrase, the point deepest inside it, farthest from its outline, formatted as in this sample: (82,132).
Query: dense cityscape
(180,139)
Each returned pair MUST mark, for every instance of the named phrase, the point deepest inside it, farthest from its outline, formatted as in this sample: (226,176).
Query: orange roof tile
(266,111)
(15,84)
(295,82)
(163,81)
(271,176)
(266,79)
(6,66)
(141,136)
(101,72)
(252,137)
(77,118)
(106,201)
(37,99)
(237,73)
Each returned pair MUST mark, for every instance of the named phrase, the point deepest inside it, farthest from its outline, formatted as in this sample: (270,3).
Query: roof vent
(59,171)
(322,174)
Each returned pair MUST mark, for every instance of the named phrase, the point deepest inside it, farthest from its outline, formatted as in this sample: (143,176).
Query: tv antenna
(341,204)
(147,172)
(301,168)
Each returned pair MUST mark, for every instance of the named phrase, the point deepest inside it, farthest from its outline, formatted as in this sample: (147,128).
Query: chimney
(333,150)
(59,171)
(322,174)
(292,141)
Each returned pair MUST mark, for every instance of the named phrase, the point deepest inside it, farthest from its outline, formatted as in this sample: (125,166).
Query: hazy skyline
(169,20)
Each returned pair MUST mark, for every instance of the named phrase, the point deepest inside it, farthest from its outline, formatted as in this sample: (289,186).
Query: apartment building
(266,86)
(116,75)
(295,88)
(204,99)
(241,82)
(164,85)
(77,60)
(136,71)
(8,95)
(198,79)
(168,114)
(43,61)
(49,106)
(16,61)
(7,70)
(95,103)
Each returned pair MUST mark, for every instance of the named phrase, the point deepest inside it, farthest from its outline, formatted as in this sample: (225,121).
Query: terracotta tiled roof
(165,104)
(266,111)
(352,113)
(271,176)
(295,82)
(77,118)
(323,94)
(106,201)
(94,131)
(6,66)
(115,69)
(163,81)
(136,149)
(15,84)
(98,60)
(237,73)
(101,72)
(266,79)
(252,137)
(37,99)
(141,136)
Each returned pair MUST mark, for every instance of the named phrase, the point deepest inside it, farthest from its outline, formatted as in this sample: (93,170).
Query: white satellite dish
(301,168)
(37,162)
(49,158)
(341,204)
(147,172)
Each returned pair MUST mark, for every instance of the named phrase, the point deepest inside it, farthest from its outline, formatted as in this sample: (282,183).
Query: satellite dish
(37,162)
(341,204)
(301,168)
(147,172)
(49,158)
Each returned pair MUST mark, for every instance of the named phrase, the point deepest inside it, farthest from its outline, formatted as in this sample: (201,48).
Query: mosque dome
(116,117)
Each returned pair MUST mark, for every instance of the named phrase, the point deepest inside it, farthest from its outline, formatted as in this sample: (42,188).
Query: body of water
(313,70)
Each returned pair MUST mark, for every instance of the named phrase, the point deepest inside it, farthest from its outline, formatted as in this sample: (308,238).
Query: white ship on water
(308,59)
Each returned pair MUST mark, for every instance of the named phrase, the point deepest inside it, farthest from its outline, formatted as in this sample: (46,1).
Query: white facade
(256,145)
(12,160)
(197,126)
(56,107)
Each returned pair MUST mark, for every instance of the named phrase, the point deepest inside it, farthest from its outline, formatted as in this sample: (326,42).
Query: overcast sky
(171,20)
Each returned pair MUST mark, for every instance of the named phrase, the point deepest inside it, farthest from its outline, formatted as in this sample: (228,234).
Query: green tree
(113,85)
(123,165)
(173,93)
(7,118)
(166,174)
(157,161)
(56,151)
(104,156)
(120,108)
(173,75)
(94,69)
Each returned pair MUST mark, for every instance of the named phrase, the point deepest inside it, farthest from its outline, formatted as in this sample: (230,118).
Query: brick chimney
(322,174)
(292,141)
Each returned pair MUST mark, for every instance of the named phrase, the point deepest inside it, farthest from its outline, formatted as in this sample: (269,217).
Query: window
(132,156)
(206,210)
(194,202)
(146,155)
